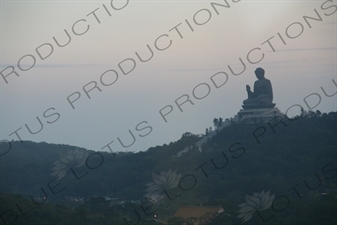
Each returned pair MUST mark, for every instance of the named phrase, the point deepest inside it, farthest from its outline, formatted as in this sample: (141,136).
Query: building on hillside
(198,214)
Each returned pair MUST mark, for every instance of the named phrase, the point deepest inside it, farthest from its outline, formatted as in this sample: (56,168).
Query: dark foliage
(282,154)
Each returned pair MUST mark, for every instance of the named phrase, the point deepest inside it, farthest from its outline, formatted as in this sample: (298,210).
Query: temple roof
(186,212)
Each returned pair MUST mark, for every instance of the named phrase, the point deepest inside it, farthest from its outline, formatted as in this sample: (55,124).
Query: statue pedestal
(259,106)
(258,115)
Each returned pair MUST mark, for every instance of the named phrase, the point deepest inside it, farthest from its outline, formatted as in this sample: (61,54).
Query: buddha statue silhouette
(262,97)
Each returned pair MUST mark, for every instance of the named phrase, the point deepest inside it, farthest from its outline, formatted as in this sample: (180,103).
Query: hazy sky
(191,41)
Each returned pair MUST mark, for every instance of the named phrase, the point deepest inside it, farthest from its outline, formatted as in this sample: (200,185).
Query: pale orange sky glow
(294,41)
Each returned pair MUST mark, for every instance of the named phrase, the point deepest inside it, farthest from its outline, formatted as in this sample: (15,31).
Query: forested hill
(240,159)
(287,150)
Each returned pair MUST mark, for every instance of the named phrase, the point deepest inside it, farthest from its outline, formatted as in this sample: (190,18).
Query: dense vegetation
(296,159)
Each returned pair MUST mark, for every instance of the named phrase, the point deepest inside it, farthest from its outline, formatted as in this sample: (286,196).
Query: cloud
(308,49)
(5,65)
(329,23)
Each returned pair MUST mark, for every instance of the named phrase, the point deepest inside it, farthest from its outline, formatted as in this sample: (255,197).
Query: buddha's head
(259,72)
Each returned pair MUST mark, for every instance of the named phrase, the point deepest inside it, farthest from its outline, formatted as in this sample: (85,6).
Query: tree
(220,122)
(175,221)
(216,122)
(97,204)
(187,134)
(191,220)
